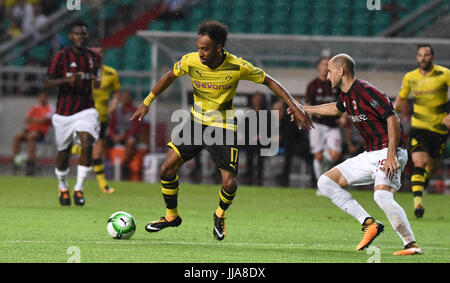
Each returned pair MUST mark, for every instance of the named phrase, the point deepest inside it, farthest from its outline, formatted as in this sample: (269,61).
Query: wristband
(149,99)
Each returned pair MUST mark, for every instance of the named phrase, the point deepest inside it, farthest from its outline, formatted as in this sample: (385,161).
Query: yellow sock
(220,212)
(418,201)
(99,170)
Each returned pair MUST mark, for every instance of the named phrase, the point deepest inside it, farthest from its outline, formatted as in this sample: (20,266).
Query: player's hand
(74,77)
(446,121)
(390,167)
(140,112)
(299,115)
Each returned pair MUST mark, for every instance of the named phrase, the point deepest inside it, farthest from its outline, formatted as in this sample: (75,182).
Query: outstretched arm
(160,86)
(391,165)
(297,111)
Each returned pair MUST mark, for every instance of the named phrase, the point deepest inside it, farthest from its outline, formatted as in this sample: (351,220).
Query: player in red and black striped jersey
(75,70)
(325,139)
(380,164)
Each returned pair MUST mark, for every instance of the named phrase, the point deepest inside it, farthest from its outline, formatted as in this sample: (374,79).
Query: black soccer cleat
(78,198)
(162,223)
(219,227)
(64,198)
(419,211)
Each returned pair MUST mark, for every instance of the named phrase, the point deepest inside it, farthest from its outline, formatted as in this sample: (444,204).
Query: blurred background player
(38,122)
(430,121)
(325,139)
(105,106)
(211,65)
(75,70)
(380,164)
(124,131)
(253,145)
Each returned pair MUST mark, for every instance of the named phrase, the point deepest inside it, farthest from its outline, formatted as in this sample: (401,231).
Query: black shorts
(427,141)
(224,151)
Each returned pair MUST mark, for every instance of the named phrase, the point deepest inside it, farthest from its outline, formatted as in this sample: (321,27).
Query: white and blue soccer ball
(121,225)
(20,159)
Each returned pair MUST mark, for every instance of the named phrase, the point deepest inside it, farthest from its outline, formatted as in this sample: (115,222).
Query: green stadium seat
(280,28)
(239,26)
(113,58)
(39,53)
(125,2)
(319,29)
(18,60)
(359,30)
(299,28)
(380,22)
(157,25)
(178,25)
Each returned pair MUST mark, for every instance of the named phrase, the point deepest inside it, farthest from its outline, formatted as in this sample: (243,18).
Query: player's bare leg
(169,188)
(331,185)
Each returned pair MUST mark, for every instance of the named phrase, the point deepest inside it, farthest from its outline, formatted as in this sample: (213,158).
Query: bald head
(345,62)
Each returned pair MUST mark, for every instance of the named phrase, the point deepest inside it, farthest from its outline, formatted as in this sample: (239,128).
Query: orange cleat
(410,249)
(371,229)
(108,190)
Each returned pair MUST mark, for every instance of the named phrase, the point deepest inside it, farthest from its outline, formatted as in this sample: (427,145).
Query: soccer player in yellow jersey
(105,106)
(215,74)
(430,121)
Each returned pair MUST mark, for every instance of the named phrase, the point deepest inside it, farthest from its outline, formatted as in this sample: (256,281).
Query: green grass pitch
(263,225)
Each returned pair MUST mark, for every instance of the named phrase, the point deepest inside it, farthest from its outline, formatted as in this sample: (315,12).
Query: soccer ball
(121,225)
(20,159)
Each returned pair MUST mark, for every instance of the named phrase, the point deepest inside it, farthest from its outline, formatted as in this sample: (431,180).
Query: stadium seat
(239,26)
(299,27)
(380,22)
(113,58)
(39,53)
(157,25)
(178,25)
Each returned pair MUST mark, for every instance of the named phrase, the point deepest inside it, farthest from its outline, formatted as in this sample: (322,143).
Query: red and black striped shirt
(320,92)
(368,108)
(75,97)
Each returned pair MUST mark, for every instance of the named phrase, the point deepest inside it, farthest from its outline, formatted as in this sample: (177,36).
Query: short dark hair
(325,57)
(218,32)
(426,45)
(78,23)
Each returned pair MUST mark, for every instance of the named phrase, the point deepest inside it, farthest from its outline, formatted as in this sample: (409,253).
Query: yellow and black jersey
(214,89)
(430,97)
(110,83)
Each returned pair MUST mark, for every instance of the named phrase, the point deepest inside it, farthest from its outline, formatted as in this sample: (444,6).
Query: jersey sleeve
(340,104)
(447,76)
(405,89)
(116,83)
(55,69)
(251,73)
(180,68)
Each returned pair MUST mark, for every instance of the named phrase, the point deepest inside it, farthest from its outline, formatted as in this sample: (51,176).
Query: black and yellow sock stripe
(419,181)
(226,199)
(169,189)
(99,170)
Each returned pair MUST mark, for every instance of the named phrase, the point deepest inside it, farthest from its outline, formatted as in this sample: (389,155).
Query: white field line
(131,242)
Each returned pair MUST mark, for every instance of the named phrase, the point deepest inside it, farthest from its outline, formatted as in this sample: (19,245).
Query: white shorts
(66,127)
(364,168)
(323,137)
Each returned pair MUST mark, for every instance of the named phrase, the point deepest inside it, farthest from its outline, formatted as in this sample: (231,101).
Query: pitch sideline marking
(192,243)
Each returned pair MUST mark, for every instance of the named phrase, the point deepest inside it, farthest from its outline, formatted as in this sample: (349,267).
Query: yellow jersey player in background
(430,121)
(110,84)
(215,75)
